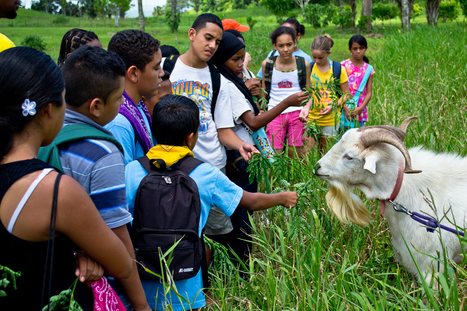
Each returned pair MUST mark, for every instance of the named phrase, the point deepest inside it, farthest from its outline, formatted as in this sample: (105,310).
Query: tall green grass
(303,258)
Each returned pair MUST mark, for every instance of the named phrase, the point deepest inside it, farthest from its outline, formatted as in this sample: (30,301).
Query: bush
(385,11)
(363,23)
(318,15)
(417,10)
(343,17)
(448,10)
(251,22)
(34,41)
(60,20)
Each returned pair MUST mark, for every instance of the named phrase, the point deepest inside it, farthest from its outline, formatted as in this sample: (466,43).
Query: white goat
(374,159)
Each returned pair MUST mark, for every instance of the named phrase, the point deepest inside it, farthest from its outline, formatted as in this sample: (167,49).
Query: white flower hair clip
(28,107)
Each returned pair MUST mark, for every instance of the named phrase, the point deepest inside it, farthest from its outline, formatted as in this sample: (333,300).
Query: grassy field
(304,259)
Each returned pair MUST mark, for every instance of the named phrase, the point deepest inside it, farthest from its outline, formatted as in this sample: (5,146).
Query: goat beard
(346,205)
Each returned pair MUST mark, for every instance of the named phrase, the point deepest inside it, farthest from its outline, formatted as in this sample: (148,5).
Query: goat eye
(348,157)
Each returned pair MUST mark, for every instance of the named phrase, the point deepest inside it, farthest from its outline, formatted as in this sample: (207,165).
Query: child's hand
(254,86)
(326,110)
(247,150)
(347,112)
(290,199)
(86,268)
(356,112)
(296,99)
(304,113)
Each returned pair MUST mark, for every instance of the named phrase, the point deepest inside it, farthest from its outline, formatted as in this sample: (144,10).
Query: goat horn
(399,131)
(382,135)
(395,130)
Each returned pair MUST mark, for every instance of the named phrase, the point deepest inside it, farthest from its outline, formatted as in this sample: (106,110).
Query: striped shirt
(99,167)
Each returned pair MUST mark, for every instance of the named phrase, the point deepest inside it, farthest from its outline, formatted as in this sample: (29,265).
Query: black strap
(301,70)
(169,65)
(186,165)
(267,74)
(53,219)
(204,265)
(216,86)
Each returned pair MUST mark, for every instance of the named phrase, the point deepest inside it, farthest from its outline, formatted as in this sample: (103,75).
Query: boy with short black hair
(192,76)
(142,57)
(95,81)
(175,127)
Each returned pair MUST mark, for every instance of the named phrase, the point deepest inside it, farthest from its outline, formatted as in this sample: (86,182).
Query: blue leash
(430,223)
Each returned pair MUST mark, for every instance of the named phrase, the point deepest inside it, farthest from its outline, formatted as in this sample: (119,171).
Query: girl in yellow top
(322,112)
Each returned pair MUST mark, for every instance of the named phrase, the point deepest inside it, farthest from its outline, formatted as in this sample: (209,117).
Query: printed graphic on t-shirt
(195,93)
(191,87)
(285,84)
(324,91)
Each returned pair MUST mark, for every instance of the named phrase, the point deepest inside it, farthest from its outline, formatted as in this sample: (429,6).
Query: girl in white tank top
(286,128)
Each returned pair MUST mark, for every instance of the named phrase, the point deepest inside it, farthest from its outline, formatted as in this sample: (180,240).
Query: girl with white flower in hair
(45,217)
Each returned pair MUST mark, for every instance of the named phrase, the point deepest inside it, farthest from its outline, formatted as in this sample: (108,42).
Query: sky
(148,6)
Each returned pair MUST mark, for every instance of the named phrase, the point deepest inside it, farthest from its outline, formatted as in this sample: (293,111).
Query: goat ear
(370,163)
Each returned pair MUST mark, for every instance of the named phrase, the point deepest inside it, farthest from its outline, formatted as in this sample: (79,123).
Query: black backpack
(168,209)
(169,65)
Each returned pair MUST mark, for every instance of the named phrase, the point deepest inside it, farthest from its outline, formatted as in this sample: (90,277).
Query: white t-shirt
(197,84)
(240,105)
(283,84)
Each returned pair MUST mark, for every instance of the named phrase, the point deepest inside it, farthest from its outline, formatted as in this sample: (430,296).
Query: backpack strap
(188,164)
(169,63)
(267,74)
(216,86)
(72,133)
(336,70)
(301,68)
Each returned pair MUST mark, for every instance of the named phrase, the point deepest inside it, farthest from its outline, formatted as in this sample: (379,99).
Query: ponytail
(322,43)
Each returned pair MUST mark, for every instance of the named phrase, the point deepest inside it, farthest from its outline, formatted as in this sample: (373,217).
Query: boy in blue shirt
(142,57)
(175,127)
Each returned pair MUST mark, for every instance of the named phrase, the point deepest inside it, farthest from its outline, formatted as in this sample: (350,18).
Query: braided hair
(72,40)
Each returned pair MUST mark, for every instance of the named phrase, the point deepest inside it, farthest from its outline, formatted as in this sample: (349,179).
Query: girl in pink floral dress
(356,68)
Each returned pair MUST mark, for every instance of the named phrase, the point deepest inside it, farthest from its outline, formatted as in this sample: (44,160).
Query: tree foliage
(448,10)
(319,16)
(280,8)
(172,15)
(385,11)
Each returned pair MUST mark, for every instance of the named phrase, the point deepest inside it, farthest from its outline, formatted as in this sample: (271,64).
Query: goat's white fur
(374,170)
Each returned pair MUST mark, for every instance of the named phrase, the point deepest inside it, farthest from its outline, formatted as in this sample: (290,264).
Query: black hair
(236,33)
(72,40)
(135,47)
(362,41)
(282,30)
(201,21)
(298,27)
(173,118)
(168,50)
(166,75)
(26,74)
(91,72)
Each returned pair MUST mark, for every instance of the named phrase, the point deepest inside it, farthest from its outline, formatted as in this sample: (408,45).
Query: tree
(141,15)
(44,6)
(112,7)
(353,7)
(318,15)
(366,11)
(172,16)
(158,11)
(279,8)
(432,11)
(302,4)
(343,18)
(405,8)
(463,4)
(196,5)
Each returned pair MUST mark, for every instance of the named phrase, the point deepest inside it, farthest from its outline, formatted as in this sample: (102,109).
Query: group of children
(117,110)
